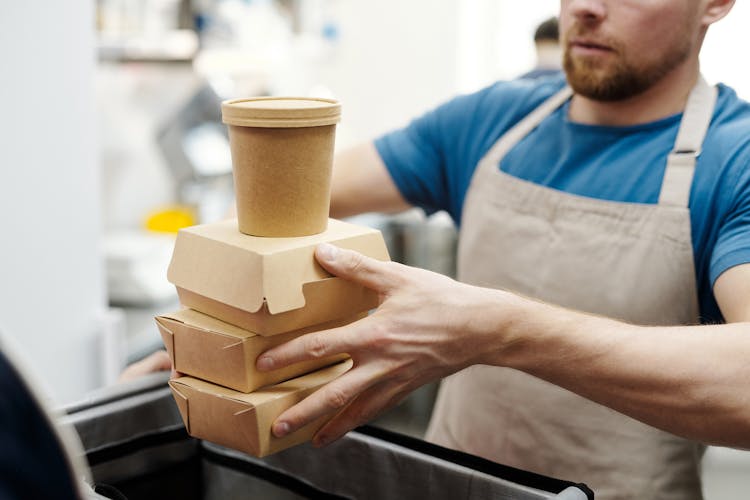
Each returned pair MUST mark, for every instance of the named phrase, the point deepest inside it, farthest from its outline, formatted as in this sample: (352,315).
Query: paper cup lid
(280,112)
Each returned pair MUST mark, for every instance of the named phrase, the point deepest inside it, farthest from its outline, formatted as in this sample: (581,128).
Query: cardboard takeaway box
(269,285)
(243,421)
(209,349)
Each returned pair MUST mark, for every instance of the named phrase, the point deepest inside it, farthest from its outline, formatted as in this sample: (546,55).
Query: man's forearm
(692,381)
(361,183)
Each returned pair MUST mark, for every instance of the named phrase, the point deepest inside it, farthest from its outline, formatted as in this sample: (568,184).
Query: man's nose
(585,12)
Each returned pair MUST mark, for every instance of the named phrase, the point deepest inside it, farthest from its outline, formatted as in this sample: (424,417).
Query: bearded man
(621,190)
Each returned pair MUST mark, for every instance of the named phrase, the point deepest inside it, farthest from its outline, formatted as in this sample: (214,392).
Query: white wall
(51,289)
(497,39)
(722,57)
(393,61)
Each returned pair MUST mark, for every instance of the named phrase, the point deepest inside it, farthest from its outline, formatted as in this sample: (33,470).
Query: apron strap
(522,128)
(678,176)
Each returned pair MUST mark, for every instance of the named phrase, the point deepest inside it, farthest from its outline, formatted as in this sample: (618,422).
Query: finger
(353,266)
(159,362)
(314,345)
(365,407)
(330,398)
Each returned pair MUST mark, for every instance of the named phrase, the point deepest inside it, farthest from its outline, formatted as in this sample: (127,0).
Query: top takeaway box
(269,285)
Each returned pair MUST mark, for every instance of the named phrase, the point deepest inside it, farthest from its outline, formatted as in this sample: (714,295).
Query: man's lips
(588,46)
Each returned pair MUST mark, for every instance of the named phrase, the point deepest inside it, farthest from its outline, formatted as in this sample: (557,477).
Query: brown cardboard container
(269,285)
(243,421)
(209,349)
(282,155)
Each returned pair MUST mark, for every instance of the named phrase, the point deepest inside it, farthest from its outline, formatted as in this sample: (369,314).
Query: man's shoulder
(524,92)
(725,158)
(730,129)
(731,109)
(502,103)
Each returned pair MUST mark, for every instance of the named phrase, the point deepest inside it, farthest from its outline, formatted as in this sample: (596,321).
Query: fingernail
(281,429)
(328,252)
(264,363)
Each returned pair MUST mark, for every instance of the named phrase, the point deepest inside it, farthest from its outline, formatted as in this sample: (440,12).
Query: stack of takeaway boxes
(251,283)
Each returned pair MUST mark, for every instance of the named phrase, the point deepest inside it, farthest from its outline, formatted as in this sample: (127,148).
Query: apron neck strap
(678,176)
(522,128)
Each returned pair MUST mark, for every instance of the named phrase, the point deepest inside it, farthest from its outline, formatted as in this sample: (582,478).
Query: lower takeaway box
(243,421)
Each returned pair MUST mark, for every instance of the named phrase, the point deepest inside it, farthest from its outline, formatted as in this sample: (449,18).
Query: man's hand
(155,362)
(427,326)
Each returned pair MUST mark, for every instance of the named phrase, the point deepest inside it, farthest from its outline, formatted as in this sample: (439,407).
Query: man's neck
(667,97)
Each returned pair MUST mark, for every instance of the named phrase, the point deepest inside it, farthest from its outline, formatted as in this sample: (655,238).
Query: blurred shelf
(177,46)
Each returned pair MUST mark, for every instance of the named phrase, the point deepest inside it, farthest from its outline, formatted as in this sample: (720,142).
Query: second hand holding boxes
(253,282)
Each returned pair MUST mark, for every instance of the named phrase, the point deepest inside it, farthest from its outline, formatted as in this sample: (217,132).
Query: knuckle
(315,346)
(295,421)
(335,398)
(379,335)
(356,262)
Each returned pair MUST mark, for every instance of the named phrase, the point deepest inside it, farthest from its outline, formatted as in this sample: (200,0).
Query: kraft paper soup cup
(282,156)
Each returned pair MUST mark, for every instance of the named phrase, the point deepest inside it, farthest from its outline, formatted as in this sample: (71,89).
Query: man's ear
(715,10)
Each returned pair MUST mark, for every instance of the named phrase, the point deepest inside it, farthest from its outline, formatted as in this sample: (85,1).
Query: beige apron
(623,260)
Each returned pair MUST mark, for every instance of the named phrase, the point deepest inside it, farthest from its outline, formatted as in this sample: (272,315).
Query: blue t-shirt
(433,159)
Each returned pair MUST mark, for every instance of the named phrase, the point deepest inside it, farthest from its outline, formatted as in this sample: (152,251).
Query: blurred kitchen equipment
(429,243)
(196,148)
(136,263)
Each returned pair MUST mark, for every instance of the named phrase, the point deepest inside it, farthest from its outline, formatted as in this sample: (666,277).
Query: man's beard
(621,79)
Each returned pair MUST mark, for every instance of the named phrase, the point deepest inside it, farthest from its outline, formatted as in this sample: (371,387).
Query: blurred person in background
(547,49)
(621,190)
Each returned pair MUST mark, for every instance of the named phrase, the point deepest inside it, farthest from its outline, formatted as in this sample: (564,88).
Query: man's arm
(732,292)
(361,183)
(692,380)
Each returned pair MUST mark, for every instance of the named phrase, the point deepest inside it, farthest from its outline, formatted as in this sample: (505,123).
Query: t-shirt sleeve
(415,159)
(432,160)
(733,243)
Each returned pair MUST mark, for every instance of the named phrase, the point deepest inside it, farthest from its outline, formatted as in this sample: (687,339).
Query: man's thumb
(352,266)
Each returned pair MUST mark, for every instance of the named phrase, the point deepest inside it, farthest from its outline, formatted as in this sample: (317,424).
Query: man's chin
(601,85)
(601,93)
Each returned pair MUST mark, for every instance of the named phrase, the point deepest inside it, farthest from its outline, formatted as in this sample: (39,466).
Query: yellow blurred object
(171,219)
